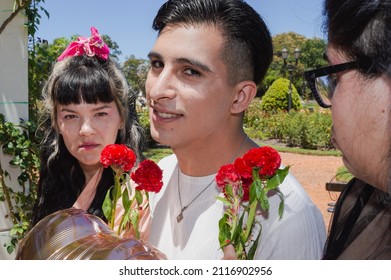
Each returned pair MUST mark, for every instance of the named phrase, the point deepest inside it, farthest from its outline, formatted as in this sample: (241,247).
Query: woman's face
(87,129)
(361,122)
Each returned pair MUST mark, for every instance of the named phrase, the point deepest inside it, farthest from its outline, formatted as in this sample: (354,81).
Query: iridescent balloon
(74,234)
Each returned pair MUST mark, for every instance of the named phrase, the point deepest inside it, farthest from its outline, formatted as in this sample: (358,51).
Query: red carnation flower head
(148,176)
(246,183)
(227,176)
(119,157)
(243,168)
(266,159)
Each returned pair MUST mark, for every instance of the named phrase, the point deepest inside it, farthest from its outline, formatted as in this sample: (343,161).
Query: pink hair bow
(91,46)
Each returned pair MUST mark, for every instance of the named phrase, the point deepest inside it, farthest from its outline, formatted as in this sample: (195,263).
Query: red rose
(267,159)
(148,176)
(118,156)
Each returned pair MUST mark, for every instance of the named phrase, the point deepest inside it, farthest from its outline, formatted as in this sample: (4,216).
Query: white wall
(13,90)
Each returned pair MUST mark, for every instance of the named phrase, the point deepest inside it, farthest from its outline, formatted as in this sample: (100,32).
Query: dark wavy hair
(72,81)
(248,49)
(361,29)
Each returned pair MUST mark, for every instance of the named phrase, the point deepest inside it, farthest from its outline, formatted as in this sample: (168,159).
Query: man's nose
(161,86)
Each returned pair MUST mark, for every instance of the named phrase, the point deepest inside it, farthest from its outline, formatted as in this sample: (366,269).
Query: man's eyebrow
(182,60)
(194,62)
(154,54)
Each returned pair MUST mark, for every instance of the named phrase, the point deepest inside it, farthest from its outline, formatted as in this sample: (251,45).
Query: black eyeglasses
(322,81)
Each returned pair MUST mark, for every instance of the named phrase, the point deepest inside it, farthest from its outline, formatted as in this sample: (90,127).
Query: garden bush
(307,129)
(276,97)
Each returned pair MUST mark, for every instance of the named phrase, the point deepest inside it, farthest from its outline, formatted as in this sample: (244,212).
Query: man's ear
(245,93)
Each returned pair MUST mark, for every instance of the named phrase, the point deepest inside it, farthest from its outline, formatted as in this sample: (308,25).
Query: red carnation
(227,176)
(243,169)
(118,156)
(148,176)
(267,159)
(246,184)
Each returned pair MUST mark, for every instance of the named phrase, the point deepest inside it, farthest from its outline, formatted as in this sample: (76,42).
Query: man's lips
(163,114)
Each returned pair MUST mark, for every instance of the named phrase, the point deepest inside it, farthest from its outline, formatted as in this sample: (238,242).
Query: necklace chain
(179,218)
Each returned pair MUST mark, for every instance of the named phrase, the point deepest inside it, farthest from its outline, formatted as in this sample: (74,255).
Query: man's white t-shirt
(299,234)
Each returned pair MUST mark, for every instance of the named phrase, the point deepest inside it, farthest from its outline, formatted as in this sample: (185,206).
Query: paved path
(313,172)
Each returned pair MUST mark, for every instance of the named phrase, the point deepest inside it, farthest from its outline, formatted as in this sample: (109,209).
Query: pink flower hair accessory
(90,46)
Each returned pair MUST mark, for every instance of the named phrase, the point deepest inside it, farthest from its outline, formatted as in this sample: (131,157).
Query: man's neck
(206,158)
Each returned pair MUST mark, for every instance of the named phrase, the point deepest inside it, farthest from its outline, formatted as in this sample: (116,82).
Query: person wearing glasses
(357,88)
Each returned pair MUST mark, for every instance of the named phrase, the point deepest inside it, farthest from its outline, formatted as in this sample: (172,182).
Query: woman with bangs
(87,105)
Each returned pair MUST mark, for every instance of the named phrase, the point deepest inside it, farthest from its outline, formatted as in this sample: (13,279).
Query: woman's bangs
(75,87)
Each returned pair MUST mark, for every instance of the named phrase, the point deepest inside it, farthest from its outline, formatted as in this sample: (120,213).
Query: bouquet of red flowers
(245,185)
(148,177)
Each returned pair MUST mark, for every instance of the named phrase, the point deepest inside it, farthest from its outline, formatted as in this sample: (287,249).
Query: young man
(205,66)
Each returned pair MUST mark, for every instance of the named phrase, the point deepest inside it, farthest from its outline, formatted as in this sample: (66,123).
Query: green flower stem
(234,217)
(251,217)
(116,196)
(249,223)
(121,224)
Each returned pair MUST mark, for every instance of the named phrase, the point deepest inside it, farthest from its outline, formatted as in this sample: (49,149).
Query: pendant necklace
(179,218)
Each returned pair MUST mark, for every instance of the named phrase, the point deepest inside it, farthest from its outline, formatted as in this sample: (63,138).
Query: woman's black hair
(361,29)
(76,80)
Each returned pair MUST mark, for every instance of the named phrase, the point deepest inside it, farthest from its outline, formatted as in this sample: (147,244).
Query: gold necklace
(179,218)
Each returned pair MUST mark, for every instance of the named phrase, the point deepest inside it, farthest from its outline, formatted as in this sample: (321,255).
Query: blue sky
(128,22)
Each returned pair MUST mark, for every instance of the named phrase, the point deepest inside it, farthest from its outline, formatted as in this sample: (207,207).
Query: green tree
(312,53)
(135,71)
(276,97)
(311,56)
(277,69)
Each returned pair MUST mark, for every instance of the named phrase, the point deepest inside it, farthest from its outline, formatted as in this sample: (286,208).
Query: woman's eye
(101,114)
(69,117)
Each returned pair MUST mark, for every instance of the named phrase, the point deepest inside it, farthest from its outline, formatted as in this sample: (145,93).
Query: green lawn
(158,153)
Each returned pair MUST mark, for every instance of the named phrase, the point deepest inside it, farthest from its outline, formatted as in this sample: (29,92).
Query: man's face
(187,86)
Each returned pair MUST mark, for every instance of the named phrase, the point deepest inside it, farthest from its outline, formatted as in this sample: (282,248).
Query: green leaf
(253,192)
(134,218)
(264,200)
(125,199)
(228,191)
(282,204)
(139,197)
(253,248)
(258,189)
(107,205)
(236,236)
(224,231)
(223,200)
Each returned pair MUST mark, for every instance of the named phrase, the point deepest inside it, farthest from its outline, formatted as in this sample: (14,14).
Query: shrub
(307,129)
(18,142)
(276,97)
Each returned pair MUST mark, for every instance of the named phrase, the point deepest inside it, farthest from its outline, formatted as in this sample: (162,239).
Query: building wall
(13,93)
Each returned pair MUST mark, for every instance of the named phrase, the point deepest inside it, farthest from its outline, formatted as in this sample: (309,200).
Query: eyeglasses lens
(325,86)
